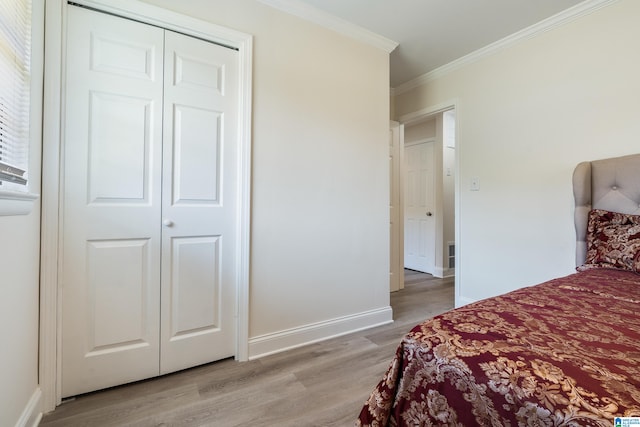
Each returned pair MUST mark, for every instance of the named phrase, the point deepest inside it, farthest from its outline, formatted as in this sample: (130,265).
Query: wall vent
(452,255)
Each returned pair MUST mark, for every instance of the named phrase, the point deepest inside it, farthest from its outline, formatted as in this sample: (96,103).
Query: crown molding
(555,21)
(324,19)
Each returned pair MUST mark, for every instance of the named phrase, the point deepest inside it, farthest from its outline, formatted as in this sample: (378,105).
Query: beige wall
(320,174)
(419,131)
(526,116)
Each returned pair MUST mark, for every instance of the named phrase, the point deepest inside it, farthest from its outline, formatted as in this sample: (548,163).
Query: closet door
(200,202)
(112,202)
(150,205)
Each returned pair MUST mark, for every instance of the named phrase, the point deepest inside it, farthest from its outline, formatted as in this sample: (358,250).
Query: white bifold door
(150,202)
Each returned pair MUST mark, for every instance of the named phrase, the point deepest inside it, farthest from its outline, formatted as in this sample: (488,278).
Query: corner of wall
(392,105)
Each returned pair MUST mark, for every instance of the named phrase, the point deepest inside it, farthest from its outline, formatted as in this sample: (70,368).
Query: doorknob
(429,214)
(167,223)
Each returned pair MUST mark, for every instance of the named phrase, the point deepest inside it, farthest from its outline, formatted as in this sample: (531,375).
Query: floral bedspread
(562,353)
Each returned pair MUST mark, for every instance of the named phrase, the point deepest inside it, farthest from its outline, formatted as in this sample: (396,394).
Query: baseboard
(32,413)
(441,273)
(460,301)
(277,342)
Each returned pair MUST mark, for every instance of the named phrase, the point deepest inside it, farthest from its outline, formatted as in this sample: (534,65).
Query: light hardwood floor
(323,384)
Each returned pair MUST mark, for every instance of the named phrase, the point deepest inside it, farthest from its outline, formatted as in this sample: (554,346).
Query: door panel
(111,202)
(196,73)
(200,199)
(118,155)
(117,290)
(196,291)
(419,250)
(196,147)
(111,53)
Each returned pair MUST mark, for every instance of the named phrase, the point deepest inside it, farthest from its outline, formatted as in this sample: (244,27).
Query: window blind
(15,51)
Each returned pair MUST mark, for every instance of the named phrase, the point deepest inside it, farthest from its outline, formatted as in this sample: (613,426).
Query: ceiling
(432,33)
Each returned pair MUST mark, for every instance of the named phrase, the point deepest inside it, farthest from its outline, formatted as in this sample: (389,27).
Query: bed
(564,352)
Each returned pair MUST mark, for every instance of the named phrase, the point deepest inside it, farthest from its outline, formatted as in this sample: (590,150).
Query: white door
(122,177)
(419,224)
(199,203)
(112,168)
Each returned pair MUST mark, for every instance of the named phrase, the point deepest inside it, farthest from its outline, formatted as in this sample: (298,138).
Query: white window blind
(15,52)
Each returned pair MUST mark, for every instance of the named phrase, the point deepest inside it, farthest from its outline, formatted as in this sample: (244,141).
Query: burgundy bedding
(565,352)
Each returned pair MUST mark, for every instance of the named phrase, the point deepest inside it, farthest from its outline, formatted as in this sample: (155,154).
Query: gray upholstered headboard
(610,184)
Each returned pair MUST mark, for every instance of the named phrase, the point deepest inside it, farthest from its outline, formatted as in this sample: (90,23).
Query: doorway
(429,171)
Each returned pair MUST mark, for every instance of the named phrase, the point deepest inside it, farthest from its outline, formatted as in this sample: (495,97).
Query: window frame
(16,184)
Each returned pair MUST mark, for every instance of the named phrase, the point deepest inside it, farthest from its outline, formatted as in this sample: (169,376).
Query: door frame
(396,197)
(415,116)
(53,117)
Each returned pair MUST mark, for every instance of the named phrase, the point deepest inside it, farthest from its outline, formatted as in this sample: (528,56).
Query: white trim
(396,271)
(438,272)
(164,18)
(53,114)
(32,414)
(415,116)
(420,141)
(244,200)
(277,342)
(462,301)
(49,360)
(339,25)
(557,20)
(16,202)
(442,273)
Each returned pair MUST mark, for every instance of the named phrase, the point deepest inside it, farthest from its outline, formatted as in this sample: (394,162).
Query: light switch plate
(475,184)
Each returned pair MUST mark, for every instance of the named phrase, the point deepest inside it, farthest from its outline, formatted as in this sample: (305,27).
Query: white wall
(320,174)
(526,116)
(19,263)
(18,314)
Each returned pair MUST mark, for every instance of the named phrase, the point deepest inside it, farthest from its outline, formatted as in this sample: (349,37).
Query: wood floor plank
(238,408)
(131,410)
(322,384)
